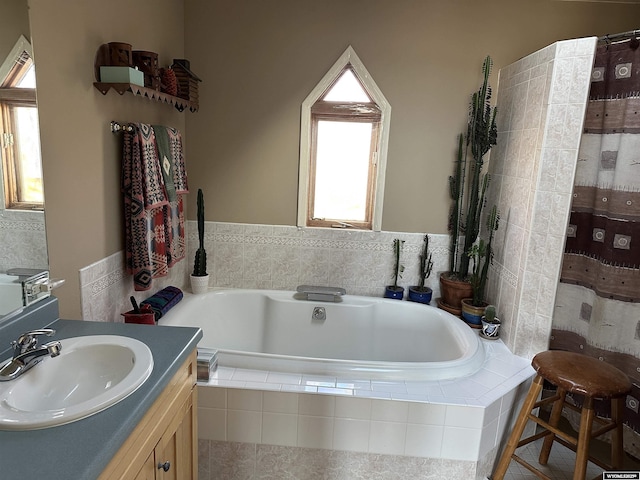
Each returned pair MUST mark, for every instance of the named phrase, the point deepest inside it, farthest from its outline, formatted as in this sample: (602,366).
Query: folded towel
(163,301)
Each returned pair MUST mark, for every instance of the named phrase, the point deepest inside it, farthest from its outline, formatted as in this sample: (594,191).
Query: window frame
(377,112)
(19,60)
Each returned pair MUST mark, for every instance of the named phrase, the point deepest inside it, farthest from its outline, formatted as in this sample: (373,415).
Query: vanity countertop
(81,450)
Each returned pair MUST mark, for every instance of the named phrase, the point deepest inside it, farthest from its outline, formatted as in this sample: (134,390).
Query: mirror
(22,227)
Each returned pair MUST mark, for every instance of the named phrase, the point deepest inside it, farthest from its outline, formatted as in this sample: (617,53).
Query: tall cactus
(200,263)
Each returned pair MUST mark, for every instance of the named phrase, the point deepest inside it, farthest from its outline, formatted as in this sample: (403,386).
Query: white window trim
(22,45)
(348,57)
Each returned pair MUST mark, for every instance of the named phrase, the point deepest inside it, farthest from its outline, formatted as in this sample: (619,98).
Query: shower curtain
(597,310)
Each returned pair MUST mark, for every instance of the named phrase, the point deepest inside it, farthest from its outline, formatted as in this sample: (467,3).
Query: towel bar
(117,127)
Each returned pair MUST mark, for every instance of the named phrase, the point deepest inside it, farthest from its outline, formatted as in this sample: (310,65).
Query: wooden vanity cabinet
(164,444)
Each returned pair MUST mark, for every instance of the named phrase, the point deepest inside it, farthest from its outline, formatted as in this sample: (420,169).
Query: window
(343,141)
(19,131)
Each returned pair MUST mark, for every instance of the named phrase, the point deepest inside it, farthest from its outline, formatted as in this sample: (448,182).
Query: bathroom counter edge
(82,449)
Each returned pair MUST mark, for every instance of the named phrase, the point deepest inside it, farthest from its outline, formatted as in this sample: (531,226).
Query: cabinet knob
(164,466)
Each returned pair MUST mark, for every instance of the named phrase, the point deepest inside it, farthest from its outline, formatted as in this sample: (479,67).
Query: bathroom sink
(91,374)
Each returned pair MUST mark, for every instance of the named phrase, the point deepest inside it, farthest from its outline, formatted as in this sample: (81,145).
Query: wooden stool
(575,373)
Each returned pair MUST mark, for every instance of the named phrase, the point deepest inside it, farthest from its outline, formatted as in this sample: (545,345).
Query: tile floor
(559,467)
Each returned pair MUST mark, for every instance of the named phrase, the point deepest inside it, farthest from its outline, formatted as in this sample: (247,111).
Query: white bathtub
(363,337)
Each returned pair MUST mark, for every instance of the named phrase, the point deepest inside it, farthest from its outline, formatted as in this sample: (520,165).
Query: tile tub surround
(23,239)
(280,257)
(105,287)
(251,416)
(541,104)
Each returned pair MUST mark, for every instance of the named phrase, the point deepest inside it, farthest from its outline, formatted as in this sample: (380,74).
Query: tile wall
(541,104)
(423,429)
(23,239)
(271,257)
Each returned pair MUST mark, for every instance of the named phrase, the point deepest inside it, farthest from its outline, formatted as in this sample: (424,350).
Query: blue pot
(419,296)
(396,293)
(472,315)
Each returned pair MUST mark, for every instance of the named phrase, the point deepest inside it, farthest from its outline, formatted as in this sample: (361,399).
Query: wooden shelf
(121,88)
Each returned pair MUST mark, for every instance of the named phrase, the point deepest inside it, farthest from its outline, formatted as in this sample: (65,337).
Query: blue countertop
(81,450)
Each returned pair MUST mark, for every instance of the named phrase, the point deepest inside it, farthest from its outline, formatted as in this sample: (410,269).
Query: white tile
(318,381)
(391,387)
(212,424)
(279,429)
(469,417)
(351,435)
(280,402)
(212,397)
(426,413)
(355,408)
(284,378)
(242,375)
(389,410)
(299,388)
(335,391)
(315,432)
(424,440)
(244,399)
(461,443)
(317,405)
(387,438)
(244,426)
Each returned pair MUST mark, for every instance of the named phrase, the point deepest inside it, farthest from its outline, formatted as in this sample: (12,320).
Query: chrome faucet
(26,353)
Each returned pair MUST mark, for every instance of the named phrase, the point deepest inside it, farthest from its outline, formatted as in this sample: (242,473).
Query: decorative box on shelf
(109,74)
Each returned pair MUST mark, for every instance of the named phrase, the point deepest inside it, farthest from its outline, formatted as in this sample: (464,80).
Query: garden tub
(355,337)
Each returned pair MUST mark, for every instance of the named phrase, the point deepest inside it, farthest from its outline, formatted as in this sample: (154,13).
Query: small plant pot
(396,293)
(471,314)
(199,284)
(420,295)
(490,330)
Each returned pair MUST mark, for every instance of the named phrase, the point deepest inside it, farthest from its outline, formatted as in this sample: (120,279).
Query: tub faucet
(27,354)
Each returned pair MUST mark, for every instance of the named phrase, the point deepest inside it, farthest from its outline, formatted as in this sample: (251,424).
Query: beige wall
(14,21)
(259,60)
(81,157)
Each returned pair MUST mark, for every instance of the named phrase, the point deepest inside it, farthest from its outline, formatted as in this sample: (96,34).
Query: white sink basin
(90,374)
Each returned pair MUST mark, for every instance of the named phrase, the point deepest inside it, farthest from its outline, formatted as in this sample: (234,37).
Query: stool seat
(577,373)
(570,373)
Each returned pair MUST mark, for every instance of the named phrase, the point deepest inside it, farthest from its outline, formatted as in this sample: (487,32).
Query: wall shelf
(121,88)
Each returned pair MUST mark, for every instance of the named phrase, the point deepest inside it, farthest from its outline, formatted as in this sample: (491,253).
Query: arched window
(343,148)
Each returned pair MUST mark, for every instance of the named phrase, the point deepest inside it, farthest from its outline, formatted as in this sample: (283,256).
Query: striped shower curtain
(597,310)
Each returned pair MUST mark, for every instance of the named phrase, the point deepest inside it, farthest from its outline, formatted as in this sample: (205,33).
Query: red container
(144,318)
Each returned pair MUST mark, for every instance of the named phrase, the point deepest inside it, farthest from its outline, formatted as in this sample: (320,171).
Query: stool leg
(617,448)
(518,428)
(584,436)
(554,420)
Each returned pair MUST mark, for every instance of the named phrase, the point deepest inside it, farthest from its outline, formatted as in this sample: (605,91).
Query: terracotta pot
(453,291)
(448,308)
(472,314)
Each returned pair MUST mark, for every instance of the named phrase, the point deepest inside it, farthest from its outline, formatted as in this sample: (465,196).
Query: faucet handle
(28,340)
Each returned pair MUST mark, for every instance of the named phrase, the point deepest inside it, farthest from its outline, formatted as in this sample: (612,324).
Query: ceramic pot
(453,291)
(448,308)
(396,293)
(420,296)
(490,330)
(471,314)
(199,284)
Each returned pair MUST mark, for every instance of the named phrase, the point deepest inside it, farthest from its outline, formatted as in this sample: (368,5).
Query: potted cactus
(468,194)
(490,323)
(200,277)
(395,291)
(481,255)
(421,293)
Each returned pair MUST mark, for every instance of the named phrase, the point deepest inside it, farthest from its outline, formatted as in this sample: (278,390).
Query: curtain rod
(619,37)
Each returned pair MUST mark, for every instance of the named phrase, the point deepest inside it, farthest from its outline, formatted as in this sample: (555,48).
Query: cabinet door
(174,453)
(148,470)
